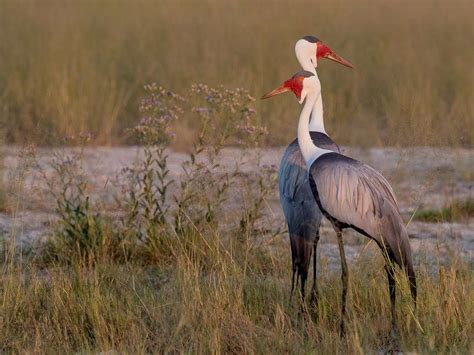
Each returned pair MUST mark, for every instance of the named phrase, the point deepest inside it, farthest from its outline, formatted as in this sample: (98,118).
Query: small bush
(79,234)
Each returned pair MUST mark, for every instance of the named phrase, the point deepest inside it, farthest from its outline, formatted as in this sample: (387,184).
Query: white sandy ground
(421,177)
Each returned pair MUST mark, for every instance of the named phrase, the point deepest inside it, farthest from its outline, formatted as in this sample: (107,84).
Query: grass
(217,297)
(170,270)
(70,67)
(455,211)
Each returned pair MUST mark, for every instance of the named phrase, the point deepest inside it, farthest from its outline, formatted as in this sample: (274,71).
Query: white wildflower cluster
(159,109)
(228,114)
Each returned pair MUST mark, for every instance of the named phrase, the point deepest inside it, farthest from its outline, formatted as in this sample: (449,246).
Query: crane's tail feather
(301,252)
(407,264)
(293,264)
(400,254)
(410,272)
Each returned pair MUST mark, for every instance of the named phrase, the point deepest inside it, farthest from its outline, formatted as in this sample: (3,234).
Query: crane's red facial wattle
(294,84)
(323,51)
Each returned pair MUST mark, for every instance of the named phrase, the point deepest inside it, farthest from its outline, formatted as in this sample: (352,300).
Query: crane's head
(301,84)
(310,49)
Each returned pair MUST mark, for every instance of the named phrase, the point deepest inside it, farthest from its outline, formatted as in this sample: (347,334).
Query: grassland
(165,267)
(200,294)
(75,66)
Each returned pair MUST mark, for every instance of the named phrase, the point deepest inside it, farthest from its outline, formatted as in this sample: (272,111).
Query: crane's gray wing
(355,194)
(358,196)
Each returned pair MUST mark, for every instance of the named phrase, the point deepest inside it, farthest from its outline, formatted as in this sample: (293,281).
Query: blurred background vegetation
(73,66)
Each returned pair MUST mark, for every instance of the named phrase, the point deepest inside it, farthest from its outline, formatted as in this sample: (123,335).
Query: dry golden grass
(232,298)
(79,65)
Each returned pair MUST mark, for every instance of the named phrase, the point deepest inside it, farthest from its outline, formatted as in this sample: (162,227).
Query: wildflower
(145,121)
(166,117)
(150,87)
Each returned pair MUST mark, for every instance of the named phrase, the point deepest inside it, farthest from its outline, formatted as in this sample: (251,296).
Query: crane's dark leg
(306,251)
(344,277)
(292,282)
(314,290)
(394,342)
(304,277)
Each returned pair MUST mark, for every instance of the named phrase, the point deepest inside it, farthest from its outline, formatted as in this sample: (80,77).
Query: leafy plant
(79,231)
(147,197)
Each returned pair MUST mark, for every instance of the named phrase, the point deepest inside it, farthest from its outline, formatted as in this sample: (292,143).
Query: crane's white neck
(307,59)
(317,121)
(309,150)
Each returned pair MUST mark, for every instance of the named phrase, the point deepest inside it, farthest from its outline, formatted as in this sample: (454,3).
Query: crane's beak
(279,90)
(338,59)
(326,52)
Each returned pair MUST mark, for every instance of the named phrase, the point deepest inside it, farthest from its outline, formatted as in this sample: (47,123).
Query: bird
(302,214)
(351,194)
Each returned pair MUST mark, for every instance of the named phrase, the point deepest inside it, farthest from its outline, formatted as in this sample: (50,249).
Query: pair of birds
(315,179)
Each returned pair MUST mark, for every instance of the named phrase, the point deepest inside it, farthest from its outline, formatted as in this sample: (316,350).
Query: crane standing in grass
(301,211)
(350,194)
